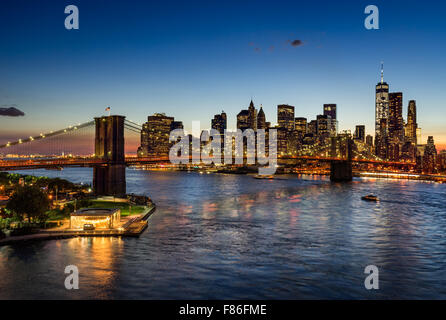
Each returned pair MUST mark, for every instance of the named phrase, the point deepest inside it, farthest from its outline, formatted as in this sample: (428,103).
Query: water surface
(234,237)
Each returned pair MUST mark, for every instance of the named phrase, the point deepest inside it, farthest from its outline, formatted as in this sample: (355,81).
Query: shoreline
(356,174)
(140,220)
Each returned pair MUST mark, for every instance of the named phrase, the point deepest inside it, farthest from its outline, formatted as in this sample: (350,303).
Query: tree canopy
(30,201)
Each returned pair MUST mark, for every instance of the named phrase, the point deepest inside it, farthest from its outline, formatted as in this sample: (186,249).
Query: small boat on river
(259,176)
(370,197)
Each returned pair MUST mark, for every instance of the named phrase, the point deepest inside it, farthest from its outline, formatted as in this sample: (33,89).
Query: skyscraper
(411,126)
(323,127)
(369,140)
(219,122)
(261,119)
(382,140)
(285,117)
(300,125)
(360,133)
(330,110)
(243,120)
(252,118)
(381,103)
(396,125)
(155,135)
(247,119)
(312,127)
(430,156)
(285,127)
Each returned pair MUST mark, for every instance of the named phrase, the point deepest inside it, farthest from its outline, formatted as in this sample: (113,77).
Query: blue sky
(192,59)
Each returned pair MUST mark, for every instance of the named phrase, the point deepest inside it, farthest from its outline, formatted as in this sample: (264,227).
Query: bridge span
(49,163)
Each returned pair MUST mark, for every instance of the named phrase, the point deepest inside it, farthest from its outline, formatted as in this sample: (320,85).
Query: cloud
(296,43)
(11,111)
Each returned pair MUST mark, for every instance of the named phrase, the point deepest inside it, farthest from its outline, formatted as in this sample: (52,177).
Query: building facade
(411,126)
(155,135)
(285,117)
(360,133)
(396,125)
(247,119)
(219,122)
(381,104)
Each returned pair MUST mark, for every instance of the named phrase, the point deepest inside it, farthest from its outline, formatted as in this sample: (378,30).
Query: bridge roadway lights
(341,171)
(109,179)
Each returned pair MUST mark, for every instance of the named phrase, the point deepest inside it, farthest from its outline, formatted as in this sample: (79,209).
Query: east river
(218,236)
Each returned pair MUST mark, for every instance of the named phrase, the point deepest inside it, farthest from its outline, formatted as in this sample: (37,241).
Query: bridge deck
(15,164)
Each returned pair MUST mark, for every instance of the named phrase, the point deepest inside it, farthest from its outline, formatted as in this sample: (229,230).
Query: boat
(370,197)
(55,168)
(258,176)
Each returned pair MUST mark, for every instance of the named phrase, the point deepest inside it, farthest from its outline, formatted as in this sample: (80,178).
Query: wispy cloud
(296,42)
(270,48)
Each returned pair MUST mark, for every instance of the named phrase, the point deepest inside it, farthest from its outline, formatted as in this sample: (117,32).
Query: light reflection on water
(232,236)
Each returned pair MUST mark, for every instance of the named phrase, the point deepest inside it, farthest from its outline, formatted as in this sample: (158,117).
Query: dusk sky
(193,59)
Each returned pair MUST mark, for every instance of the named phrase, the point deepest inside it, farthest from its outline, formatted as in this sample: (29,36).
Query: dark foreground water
(231,236)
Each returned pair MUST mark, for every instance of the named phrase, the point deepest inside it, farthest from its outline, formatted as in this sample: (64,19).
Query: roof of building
(96,212)
(243,113)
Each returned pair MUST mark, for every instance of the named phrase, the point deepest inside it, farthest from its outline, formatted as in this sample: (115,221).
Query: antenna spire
(382,72)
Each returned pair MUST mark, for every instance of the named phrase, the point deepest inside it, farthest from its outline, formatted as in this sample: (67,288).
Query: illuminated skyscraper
(442,160)
(430,156)
(411,126)
(312,127)
(155,135)
(219,122)
(396,125)
(285,120)
(330,110)
(247,119)
(323,126)
(382,140)
(252,118)
(300,125)
(261,119)
(369,140)
(285,117)
(360,133)
(242,120)
(381,104)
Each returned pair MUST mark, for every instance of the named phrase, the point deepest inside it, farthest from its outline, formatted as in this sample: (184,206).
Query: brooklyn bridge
(111,158)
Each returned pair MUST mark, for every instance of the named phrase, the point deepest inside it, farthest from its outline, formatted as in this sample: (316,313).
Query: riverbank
(134,227)
(358,174)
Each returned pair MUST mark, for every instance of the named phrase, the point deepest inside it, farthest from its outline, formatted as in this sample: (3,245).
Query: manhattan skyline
(195,60)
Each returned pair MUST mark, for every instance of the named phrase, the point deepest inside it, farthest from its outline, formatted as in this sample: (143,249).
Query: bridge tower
(341,170)
(109,179)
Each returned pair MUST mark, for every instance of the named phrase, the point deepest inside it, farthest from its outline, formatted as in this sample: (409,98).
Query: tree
(30,201)
(5,214)
(59,184)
